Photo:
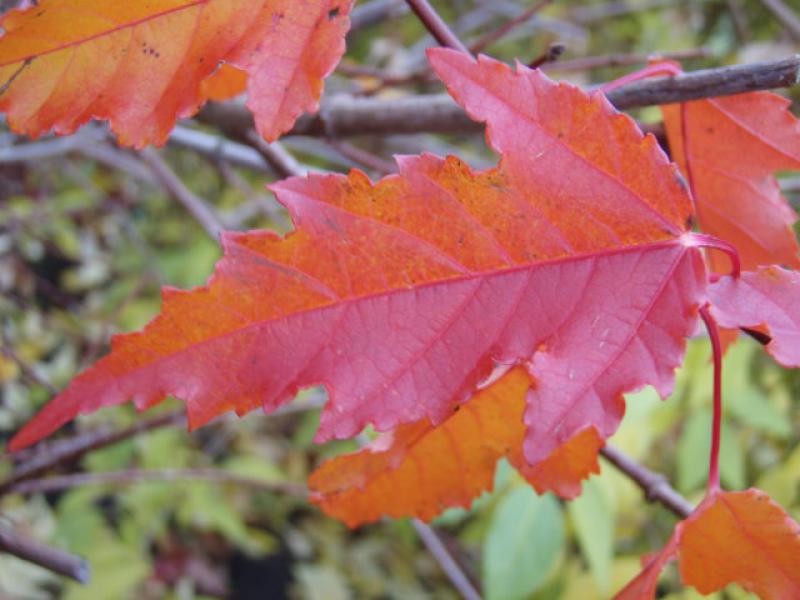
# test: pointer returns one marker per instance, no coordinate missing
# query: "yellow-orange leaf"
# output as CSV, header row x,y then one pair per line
x,y
744,538
419,470
140,65
732,537
227,82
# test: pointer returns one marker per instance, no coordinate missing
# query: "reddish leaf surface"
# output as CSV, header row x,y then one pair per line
x,y
732,537
768,298
729,149
400,296
140,64
419,470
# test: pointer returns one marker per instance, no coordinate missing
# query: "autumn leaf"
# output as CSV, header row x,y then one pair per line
x,y
729,148
732,537
140,65
419,470
767,298
225,83
400,297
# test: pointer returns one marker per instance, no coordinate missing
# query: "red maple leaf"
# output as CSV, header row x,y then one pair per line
x,y
729,148
401,296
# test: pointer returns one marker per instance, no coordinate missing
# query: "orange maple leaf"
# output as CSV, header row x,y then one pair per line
x,y
140,65
731,537
419,470
225,83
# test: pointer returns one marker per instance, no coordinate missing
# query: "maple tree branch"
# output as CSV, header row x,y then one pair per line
x,y
194,205
436,25
621,60
129,476
346,115
48,455
275,155
784,14
446,561
507,27
655,486
53,559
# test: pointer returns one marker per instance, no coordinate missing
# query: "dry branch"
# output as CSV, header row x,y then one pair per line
x,y
345,115
53,559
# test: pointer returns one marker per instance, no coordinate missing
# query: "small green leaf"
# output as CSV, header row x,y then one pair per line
x,y
593,518
524,543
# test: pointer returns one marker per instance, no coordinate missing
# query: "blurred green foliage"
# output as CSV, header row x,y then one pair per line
x,y
85,248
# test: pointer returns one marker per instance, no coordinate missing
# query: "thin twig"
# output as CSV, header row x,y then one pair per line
x,y
193,204
448,564
49,455
548,56
363,157
130,476
785,15
621,60
53,559
436,25
276,156
507,27
655,486
27,370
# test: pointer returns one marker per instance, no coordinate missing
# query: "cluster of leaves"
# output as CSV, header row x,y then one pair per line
x,y
569,265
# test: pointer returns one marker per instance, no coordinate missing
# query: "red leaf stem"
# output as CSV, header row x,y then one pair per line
x,y
716,347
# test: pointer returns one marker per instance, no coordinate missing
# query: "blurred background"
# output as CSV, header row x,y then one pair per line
x,y
89,234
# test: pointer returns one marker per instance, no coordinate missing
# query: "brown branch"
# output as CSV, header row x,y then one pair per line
x,y
446,561
621,60
507,27
366,159
53,559
276,156
130,476
345,115
785,15
193,204
49,455
655,486
709,83
548,56
436,25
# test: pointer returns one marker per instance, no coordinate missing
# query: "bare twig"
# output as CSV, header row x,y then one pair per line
x,y
448,564
345,115
53,559
129,476
548,56
656,488
497,34
49,455
709,83
363,157
620,60
785,15
276,156
27,370
436,25
194,205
